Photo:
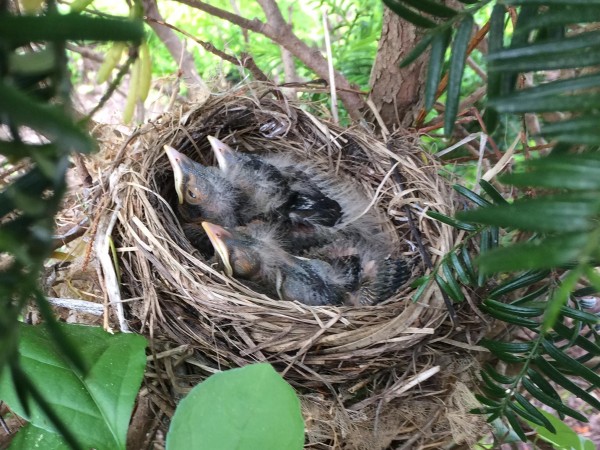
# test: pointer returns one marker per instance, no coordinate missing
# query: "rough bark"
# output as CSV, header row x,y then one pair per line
x,y
198,89
395,91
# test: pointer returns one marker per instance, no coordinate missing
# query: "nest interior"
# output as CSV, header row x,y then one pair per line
x,y
367,376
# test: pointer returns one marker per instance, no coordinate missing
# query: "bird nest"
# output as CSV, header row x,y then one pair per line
x,y
398,372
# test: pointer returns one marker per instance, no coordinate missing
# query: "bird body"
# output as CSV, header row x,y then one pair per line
x,y
254,254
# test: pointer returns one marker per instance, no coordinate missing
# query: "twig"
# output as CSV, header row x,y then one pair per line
x,y
112,87
281,33
75,232
334,108
79,305
246,61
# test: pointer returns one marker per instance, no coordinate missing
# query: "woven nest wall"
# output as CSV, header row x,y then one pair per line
x,y
396,373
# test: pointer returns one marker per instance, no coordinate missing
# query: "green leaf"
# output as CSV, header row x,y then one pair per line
x,y
551,89
458,267
546,253
490,190
452,222
562,213
510,318
68,27
579,103
439,44
581,13
48,120
30,437
508,308
521,281
494,81
564,437
533,412
251,407
97,406
492,387
470,195
409,15
520,55
570,333
487,401
457,66
464,253
579,172
570,363
559,299
580,316
507,347
417,50
514,423
498,377
546,399
553,374
457,294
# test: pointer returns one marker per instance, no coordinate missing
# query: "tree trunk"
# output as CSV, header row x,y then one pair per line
x,y
397,92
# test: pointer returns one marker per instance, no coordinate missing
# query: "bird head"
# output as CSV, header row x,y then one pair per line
x,y
188,175
239,252
226,156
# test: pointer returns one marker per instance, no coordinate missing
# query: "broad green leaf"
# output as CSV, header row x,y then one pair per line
x,y
564,437
48,120
458,58
562,213
71,27
439,44
247,408
545,253
408,14
31,437
97,406
578,172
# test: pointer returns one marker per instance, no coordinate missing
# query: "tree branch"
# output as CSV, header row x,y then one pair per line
x,y
280,32
178,52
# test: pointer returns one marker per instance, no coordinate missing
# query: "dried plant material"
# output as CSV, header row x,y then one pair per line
x,y
368,376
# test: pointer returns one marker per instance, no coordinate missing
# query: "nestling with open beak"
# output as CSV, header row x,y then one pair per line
x,y
277,187
254,253
202,193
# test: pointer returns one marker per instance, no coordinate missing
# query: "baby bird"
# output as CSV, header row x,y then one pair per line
x,y
202,193
253,253
375,275
277,190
